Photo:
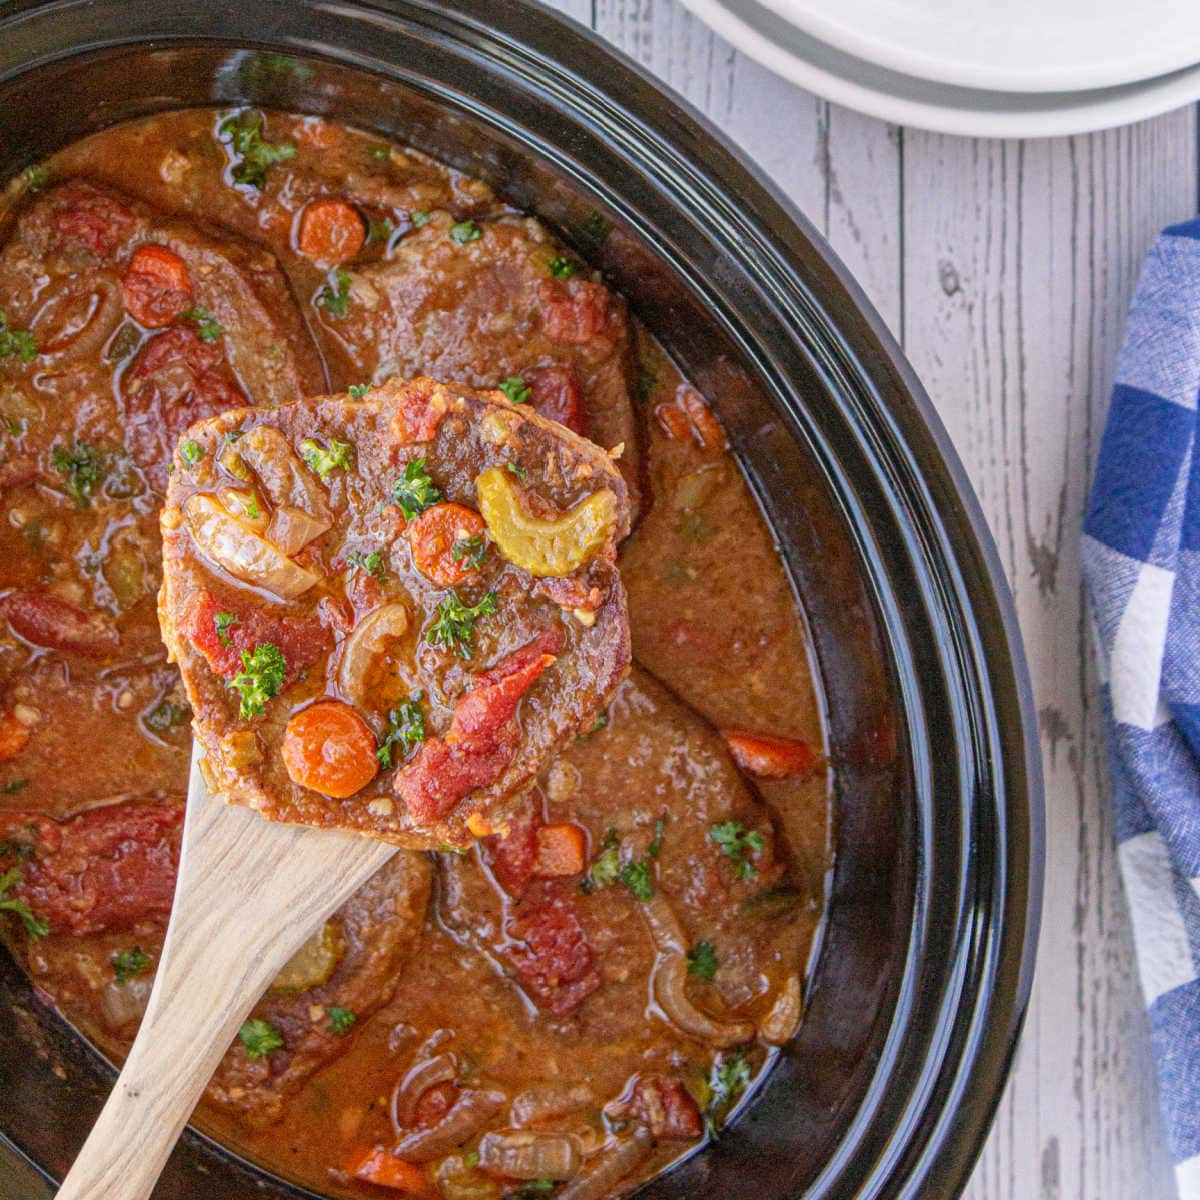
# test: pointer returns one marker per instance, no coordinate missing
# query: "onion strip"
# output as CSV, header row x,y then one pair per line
x,y
599,1182
426,1073
524,1154
472,1110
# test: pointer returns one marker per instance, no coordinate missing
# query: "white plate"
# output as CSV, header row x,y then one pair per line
x,y
1009,45
845,79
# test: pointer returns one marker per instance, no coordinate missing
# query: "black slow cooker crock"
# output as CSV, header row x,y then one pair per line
x,y
917,990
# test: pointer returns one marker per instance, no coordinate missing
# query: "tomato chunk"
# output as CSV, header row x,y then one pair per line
x,y
416,418
331,232
512,856
301,641
768,756
113,866
438,535
329,748
553,957
14,737
582,314
382,1168
561,850
482,739
555,393
664,1105
54,623
157,286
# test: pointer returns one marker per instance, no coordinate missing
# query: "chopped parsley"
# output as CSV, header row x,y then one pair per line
x,y
167,715
12,786
224,622
598,724
465,231
129,963
379,152
36,177
470,551
638,878
16,343
334,296
235,435
83,468
702,960
208,328
380,229
607,867
260,1038
419,217
263,672
243,134
371,562
414,492
323,459
356,391
729,1079
516,389
736,843
191,452
250,508
472,1159
454,628
562,268
513,469
340,1020
406,729
35,926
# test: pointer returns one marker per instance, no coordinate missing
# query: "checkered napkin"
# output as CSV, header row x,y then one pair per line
x,y
1141,562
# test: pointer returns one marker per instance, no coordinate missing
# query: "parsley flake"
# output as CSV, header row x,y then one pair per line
x,y
356,391
380,229
728,1080
12,786
562,268
263,672
242,134
607,867
191,452
35,926
16,343
260,1038
470,551
702,960
36,177
371,562
419,217
414,492
340,1020
167,715
465,231
379,152
736,843
129,963
406,729
637,877
516,389
519,472
83,467
334,296
224,622
208,328
324,459
454,627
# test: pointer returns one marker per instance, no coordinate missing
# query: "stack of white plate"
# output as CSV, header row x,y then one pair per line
x,y
989,68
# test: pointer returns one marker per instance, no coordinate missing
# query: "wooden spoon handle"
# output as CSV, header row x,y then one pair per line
x,y
249,893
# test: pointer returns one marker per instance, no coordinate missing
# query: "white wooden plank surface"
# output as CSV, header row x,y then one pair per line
x,y
1006,269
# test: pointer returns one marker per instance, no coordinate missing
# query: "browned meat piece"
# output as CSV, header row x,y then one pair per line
x,y
488,309
453,679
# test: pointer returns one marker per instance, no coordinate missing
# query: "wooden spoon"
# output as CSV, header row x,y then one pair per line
x,y
250,892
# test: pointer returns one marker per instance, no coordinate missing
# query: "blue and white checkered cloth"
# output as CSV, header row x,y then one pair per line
x,y
1141,561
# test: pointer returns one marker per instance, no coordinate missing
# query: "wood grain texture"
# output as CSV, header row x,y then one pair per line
x,y
1006,269
239,873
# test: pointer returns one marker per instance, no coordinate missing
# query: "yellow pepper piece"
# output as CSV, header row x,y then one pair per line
x,y
313,963
544,548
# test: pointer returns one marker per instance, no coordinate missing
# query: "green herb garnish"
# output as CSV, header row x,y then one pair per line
x,y
454,628
419,217
513,469
224,622
414,492
562,268
702,960
260,1038
191,452
36,177
324,459
356,391
243,134
470,551
83,468
167,715
372,562
340,1020
516,389
263,672
35,926
465,231
638,878
379,152
737,843
334,296
16,343
208,328
729,1079
12,786
607,867
406,729
129,963
380,229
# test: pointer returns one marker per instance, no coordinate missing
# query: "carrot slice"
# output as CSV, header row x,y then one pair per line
x,y
707,428
771,757
673,421
13,737
384,1169
157,286
560,851
331,232
329,748
440,534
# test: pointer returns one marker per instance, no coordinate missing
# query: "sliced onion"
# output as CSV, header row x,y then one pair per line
x,y
224,540
123,1003
472,1110
606,1172
550,1101
291,529
523,1154
781,1023
664,925
286,480
426,1073
76,317
670,990
369,639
